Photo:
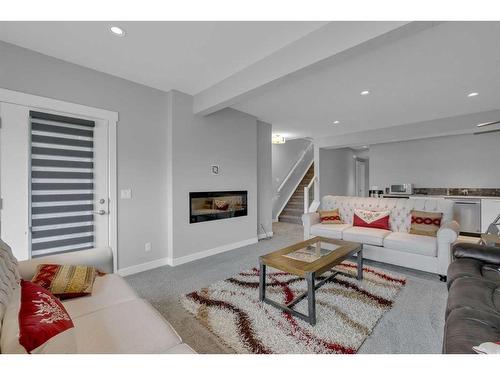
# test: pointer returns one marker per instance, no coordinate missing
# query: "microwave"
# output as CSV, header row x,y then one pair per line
x,y
402,189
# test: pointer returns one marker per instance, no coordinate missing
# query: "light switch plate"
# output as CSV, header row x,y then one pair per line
x,y
126,194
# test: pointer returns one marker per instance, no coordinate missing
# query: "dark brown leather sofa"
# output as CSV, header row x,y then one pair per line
x,y
473,309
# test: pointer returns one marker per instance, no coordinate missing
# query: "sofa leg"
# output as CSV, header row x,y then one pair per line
x,y
442,278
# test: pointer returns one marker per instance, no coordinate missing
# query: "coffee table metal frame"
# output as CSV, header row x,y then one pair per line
x,y
312,286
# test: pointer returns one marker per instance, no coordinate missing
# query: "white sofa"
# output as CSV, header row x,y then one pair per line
x,y
112,320
396,246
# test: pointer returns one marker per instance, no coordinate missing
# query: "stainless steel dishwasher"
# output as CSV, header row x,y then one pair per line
x,y
467,211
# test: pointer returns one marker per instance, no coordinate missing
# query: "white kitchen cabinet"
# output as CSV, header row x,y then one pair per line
x,y
490,209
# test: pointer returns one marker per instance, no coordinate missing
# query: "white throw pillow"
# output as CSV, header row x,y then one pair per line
x,y
488,348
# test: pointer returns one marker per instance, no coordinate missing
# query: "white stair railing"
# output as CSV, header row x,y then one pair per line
x,y
310,203
294,167
292,180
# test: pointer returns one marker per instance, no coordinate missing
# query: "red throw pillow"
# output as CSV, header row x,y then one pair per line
x,y
41,316
371,219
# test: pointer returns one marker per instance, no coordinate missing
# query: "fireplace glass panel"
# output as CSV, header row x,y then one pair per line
x,y
217,205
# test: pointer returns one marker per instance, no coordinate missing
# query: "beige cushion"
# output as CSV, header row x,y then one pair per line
x,y
10,326
108,290
9,277
329,230
101,258
412,243
181,349
128,327
369,236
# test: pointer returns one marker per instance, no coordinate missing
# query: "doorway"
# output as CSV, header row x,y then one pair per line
x,y
361,177
57,176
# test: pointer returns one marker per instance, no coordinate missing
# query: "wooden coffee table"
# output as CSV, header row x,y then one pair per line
x,y
318,262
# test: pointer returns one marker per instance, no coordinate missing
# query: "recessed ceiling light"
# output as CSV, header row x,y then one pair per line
x,y
365,92
118,31
472,94
336,122
365,146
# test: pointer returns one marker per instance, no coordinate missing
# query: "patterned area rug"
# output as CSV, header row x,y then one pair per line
x,y
347,311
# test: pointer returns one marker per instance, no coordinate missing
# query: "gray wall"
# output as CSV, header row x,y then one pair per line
x,y
284,157
141,139
227,138
336,172
264,178
452,161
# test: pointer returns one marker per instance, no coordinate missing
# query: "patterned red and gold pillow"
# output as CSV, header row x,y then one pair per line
x,y
425,223
330,217
43,320
371,219
65,281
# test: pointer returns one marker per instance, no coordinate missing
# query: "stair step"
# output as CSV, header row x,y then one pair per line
x,y
294,206
293,211
290,219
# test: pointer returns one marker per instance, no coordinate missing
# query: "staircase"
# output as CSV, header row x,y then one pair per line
x,y
292,213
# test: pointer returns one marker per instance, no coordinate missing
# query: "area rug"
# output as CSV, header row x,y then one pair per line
x,y
347,311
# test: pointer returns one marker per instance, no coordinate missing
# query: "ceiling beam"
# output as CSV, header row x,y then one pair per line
x,y
317,48
457,125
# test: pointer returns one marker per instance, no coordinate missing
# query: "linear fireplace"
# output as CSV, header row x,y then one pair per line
x,y
217,205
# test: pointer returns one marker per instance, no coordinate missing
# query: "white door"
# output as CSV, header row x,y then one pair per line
x,y
53,181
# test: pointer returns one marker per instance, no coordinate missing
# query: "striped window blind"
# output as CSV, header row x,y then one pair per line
x,y
62,184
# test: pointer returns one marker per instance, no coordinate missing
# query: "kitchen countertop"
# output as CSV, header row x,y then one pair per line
x,y
416,196
453,196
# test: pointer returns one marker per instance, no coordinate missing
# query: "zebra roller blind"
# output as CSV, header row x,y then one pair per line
x,y
62,184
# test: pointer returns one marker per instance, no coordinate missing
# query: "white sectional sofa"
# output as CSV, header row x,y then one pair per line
x,y
112,320
396,246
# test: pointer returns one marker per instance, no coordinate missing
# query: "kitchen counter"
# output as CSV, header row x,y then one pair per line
x,y
454,196
425,196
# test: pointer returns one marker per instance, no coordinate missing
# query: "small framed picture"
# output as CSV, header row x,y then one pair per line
x,y
215,169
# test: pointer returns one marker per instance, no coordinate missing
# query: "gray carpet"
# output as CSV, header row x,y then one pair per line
x,y
414,324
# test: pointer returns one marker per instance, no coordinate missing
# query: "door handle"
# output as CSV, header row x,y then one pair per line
x,y
100,212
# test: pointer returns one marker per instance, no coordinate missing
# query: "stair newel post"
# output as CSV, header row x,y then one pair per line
x,y
306,199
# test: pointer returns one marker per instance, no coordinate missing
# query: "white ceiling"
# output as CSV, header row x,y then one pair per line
x,y
422,77
186,56
413,78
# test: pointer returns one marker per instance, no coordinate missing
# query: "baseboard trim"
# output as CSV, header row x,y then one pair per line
x,y
216,250
263,235
186,259
143,267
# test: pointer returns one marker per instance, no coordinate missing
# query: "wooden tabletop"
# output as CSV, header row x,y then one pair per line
x,y
323,264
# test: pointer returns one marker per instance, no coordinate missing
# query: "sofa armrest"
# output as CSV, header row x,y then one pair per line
x,y
448,232
308,220
486,254
100,258
446,235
